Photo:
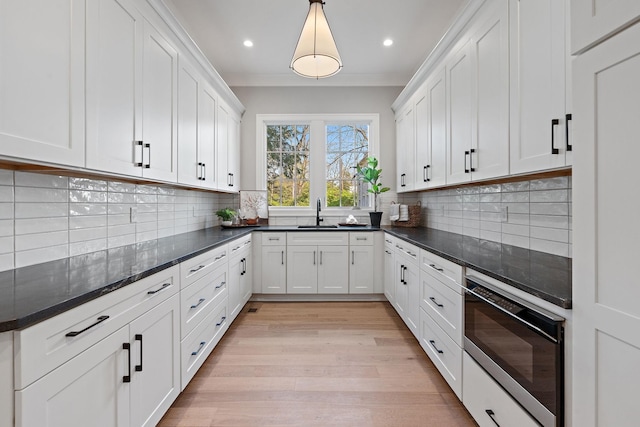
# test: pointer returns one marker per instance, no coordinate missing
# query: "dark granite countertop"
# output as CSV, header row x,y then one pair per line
x,y
540,274
31,294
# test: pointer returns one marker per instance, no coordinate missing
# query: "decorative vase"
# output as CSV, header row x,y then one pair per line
x,y
375,219
226,223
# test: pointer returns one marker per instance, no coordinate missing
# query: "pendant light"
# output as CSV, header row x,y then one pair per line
x,y
316,55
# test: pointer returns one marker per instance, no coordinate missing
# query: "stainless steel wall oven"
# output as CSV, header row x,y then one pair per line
x,y
520,345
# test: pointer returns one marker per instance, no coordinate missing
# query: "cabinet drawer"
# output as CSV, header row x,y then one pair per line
x,y
197,300
389,241
196,267
318,238
443,304
407,250
239,246
200,342
45,346
361,239
443,352
446,271
274,239
483,396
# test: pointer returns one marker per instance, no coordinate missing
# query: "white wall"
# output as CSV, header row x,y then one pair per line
x,y
312,100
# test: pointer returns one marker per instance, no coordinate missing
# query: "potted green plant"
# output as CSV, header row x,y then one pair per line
x,y
226,215
371,174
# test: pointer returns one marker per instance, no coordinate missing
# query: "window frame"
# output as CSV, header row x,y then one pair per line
x,y
317,153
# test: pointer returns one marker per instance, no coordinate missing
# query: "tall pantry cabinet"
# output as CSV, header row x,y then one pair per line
x,y
606,314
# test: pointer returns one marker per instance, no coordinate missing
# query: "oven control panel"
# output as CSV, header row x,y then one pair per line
x,y
509,306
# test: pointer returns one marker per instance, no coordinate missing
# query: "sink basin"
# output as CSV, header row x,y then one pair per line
x,y
317,226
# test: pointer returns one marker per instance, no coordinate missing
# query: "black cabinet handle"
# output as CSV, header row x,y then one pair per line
x,y
140,144
199,172
425,173
221,285
148,165
220,257
402,180
466,170
204,171
436,302
433,344
127,378
554,123
314,257
195,353
282,257
193,270
98,321
473,150
139,367
320,257
402,275
200,301
353,257
436,268
161,288
222,319
491,415
567,119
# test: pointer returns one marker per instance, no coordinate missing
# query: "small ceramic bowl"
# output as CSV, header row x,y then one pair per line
x,y
252,221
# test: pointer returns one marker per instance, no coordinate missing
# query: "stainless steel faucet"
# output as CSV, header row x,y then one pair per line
x,y
318,209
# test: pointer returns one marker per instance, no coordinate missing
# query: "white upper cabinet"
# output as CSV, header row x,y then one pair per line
x,y
197,105
42,80
228,149
405,149
540,83
436,172
595,20
131,94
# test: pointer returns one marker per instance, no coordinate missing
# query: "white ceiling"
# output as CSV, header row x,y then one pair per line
x,y
219,28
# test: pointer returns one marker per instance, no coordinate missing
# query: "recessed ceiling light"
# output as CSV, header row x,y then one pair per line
x,y
248,43
387,42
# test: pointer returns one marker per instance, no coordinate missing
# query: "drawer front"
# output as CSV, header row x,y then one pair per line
x,y
202,340
361,239
47,345
443,352
197,300
407,250
305,238
389,241
197,267
239,246
482,394
446,271
274,239
443,304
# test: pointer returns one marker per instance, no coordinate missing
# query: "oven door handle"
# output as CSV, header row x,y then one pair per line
x,y
530,325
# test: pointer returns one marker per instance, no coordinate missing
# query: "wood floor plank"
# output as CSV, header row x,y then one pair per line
x,y
318,364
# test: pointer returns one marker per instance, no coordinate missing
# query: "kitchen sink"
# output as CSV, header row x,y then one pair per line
x,y
317,226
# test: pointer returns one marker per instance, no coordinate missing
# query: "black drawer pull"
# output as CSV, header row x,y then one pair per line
x,y
554,123
193,270
433,344
491,415
161,288
127,378
221,285
200,301
139,367
98,321
222,319
436,302
195,353
568,118
220,257
436,268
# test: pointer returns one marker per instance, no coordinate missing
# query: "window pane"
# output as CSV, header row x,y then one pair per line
x,y
347,147
273,138
288,165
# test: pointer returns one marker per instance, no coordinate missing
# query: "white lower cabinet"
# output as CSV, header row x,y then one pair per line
x,y
487,402
407,286
361,263
389,269
239,283
274,269
333,269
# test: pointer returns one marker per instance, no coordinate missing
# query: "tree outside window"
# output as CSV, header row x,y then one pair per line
x,y
288,165
347,146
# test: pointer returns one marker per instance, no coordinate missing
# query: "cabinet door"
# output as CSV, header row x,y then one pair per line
x,y
361,270
155,362
115,31
233,151
208,103
42,76
302,270
90,387
246,282
236,266
423,146
437,94
333,270
189,166
222,149
405,150
401,290
389,275
159,106
538,70
606,318
412,285
595,20
490,115
460,101
274,270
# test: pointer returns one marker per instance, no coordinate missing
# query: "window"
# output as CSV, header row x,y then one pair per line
x,y
302,157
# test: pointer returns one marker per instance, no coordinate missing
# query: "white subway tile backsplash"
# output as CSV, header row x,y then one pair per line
x,y
84,247
513,240
553,234
85,234
520,197
548,246
121,230
550,221
120,187
6,194
123,240
494,236
6,261
550,209
6,210
515,186
84,196
6,227
544,196
515,229
549,183
25,242
6,244
41,225
41,210
40,195
29,179
6,177
87,184
76,222
87,209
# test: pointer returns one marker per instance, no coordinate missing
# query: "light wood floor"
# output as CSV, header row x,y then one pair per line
x,y
318,364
